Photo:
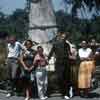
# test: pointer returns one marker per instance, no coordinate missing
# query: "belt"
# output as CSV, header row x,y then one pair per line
x,y
13,58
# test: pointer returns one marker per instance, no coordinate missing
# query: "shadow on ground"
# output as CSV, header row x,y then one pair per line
x,y
94,95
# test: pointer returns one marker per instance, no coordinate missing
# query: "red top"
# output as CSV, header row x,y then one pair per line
x,y
40,60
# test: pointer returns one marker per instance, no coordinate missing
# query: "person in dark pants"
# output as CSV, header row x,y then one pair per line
x,y
62,67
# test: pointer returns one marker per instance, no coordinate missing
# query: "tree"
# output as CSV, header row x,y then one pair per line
x,y
76,4
79,28
16,23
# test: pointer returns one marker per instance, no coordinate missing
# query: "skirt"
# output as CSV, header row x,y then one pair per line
x,y
85,74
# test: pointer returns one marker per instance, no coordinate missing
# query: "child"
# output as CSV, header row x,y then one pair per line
x,y
41,74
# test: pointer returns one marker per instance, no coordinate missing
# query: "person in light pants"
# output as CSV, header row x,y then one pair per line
x,y
41,74
41,78
14,48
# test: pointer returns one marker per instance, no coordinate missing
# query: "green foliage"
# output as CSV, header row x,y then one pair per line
x,y
16,24
77,4
79,28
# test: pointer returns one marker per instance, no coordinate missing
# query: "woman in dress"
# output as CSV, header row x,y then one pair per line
x,y
86,69
26,60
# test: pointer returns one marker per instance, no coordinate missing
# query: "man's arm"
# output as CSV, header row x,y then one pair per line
x,y
68,48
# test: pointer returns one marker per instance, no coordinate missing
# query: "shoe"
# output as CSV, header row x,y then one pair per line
x,y
66,97
8,95
44,98
27,98
81,94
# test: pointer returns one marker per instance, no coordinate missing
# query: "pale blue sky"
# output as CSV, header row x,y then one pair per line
x,y
8,6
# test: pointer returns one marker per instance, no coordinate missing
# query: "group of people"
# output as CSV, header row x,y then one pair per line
x,y
31,62
33,67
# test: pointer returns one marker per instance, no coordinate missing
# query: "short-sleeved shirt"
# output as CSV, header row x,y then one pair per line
x,y
28,57
84,53
40,60
14,50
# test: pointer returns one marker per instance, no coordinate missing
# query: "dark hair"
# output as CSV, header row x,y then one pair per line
x,y
39,47
28,41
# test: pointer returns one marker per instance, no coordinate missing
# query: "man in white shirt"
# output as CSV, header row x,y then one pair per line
x,y
14,50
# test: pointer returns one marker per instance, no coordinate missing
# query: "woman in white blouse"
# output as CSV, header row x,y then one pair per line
x,y
86,69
